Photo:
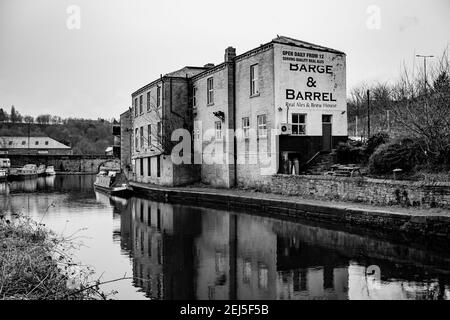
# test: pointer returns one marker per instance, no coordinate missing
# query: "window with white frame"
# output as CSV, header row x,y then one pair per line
x,y
254,89
158,96
140,104
246,127
210,90
218,127
148,101
262,125
194,97
298,124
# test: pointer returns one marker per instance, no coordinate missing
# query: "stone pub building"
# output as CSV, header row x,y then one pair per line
x,y
252,114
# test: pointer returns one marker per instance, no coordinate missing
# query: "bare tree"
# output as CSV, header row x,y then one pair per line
x,y
425,112
162,124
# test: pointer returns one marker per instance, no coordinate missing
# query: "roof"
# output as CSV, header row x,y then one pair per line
x,y
303,44
21,142
188,71
280,40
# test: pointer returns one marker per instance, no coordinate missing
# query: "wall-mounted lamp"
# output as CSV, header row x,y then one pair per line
x,y
220,115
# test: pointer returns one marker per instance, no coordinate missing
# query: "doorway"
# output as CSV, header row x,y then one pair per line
x,y
326,132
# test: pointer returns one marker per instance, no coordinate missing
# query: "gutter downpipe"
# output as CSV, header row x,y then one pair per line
x,y
234,123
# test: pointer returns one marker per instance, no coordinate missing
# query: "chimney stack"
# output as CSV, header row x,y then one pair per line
x,y
230,54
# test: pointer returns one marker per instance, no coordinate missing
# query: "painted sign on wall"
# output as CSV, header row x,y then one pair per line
x,y
312,83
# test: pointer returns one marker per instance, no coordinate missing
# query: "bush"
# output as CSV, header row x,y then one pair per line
x,y
403,154
374,142
349,152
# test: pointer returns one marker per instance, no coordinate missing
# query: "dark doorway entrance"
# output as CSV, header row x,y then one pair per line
x,y
326,132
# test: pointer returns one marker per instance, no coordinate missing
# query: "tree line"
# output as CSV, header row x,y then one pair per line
x,y
85,136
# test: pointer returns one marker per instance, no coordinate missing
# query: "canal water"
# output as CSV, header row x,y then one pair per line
x,y
185,252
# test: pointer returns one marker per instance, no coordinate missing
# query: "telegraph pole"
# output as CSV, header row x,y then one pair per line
x,y
424,68
368,114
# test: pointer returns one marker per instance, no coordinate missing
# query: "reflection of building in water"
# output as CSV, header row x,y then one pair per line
x,y
307,271
213,256
256,258
162,241
196,253
4,188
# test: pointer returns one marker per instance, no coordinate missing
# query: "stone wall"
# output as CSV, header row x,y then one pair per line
x,y
364,190
72,163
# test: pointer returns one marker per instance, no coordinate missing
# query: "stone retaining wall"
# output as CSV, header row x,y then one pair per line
x,y
364,190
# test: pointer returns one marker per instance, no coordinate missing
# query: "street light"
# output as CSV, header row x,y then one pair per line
x,y
424,67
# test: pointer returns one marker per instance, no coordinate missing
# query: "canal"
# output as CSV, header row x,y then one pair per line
x,y
185,252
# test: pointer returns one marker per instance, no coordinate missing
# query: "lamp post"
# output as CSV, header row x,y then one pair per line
x,y
424,68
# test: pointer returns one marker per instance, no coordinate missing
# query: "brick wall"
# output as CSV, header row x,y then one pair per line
x,y
365,190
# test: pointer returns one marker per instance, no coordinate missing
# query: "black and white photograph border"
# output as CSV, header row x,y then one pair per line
x,y
240,152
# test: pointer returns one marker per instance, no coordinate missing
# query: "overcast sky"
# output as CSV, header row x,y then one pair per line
x,y
121,45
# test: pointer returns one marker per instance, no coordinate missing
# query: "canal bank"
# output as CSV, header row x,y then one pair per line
x,y
434,223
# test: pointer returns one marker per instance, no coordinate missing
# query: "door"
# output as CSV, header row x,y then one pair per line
x,y
326,132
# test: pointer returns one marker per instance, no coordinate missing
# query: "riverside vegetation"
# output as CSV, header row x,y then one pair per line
x,y
35,265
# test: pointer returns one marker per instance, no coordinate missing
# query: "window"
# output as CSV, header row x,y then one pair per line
x,y
298,124
158,166
210,90
136,139
46,143
218,126
194,97
263,276
148,101
159,129
24,143
149,223
149,173
158,96
140,105
149,135
196,134
135,107
36,143
142,137
262,125
254,90
246,126
10,143
326,118
142,167
247,271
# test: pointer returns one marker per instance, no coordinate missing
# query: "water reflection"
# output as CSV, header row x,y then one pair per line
x,y
183,252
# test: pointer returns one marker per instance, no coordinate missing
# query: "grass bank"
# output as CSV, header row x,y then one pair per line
x,y
34,265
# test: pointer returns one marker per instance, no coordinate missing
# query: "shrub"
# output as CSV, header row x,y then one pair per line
x,y
403,154
349,152
374,142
